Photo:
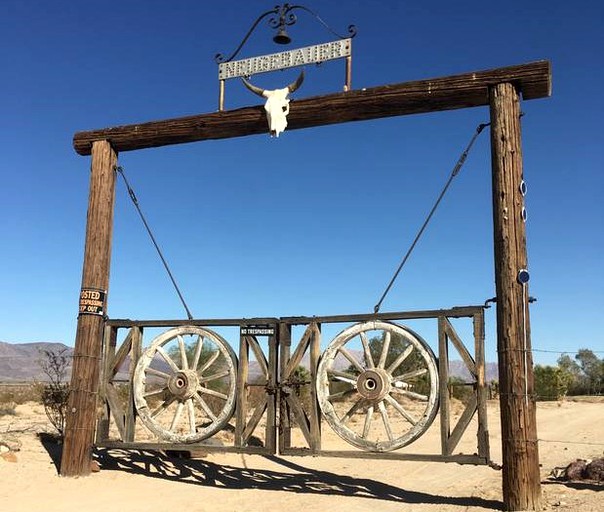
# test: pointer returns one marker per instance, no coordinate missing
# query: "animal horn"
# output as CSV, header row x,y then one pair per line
x,y
294,85
253,88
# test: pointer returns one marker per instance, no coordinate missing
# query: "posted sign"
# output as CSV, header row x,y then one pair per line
x,y
92,301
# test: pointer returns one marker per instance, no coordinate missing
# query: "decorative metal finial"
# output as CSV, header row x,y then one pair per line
x,y
280,18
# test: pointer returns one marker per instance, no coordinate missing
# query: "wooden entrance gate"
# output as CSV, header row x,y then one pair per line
x,y
277,410
500,89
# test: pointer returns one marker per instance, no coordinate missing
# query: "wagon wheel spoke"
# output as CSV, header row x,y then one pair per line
x,y
197,355
342,376
211,392
367,351
356,406
184,363
384,414
179,408
165,404
398,361
368,419
168,359
215,376
341,394
352,359
385,349
411,375
205,406
411,394
157,373
401,410
191,414
157,391
209,362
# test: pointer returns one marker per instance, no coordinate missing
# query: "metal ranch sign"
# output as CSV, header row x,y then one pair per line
x,y
288,59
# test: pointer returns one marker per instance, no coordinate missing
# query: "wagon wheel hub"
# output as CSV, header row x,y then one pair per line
x,y
183,384
374,384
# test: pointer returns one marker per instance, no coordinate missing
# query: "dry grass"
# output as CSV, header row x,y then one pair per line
x,y
19,393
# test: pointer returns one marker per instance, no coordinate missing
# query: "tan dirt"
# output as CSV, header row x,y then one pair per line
x,y
148,482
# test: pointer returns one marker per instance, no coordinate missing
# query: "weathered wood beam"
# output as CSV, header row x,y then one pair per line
x,y
521,475
532,80
81,413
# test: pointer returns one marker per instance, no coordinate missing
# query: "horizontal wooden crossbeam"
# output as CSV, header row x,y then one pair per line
x,y
447,93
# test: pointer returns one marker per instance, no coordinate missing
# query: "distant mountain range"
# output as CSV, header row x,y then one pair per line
x,y
20,362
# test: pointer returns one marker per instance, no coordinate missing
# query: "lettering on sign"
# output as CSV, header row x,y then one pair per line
x,y
257,330
92,301
292,58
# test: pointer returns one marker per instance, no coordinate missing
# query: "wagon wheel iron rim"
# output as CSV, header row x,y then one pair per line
x,y
184,384
378,400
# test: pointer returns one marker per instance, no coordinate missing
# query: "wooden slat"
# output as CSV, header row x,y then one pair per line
x,y
422,96
135,353
271,409
419,457
481,387
461,348
180,447
315,412
241,391
462,425
109,343
121,355
285,341
443,379
296,357
117,413
260,358
253,421
300,417
456,312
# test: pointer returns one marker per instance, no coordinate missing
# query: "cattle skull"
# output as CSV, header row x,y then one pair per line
x,y
277,103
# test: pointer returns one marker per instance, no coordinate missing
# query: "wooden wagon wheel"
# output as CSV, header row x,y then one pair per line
x,y
378,369
184,384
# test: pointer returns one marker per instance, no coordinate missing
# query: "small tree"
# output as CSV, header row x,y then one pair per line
x,y
551,383
592,369
55,392
571,368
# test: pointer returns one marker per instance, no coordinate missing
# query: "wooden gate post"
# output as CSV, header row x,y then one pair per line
x,y
521,481
81,412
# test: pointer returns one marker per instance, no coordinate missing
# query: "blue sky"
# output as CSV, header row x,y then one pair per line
x,y
315,222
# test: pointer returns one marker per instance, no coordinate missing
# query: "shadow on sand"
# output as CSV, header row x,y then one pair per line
x,y
295,478
54,446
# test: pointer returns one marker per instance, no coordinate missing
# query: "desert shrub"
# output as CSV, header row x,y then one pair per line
x,y
7,409
19,393
55,392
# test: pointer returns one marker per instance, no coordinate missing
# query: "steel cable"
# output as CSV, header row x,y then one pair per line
x,y
454,173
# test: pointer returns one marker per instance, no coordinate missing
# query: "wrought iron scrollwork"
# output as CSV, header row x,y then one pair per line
x,y
280,17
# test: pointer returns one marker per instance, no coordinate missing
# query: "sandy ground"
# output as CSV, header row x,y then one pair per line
x,y
146,482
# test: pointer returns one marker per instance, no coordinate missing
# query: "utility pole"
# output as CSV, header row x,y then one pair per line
x,y
521,479
81,411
